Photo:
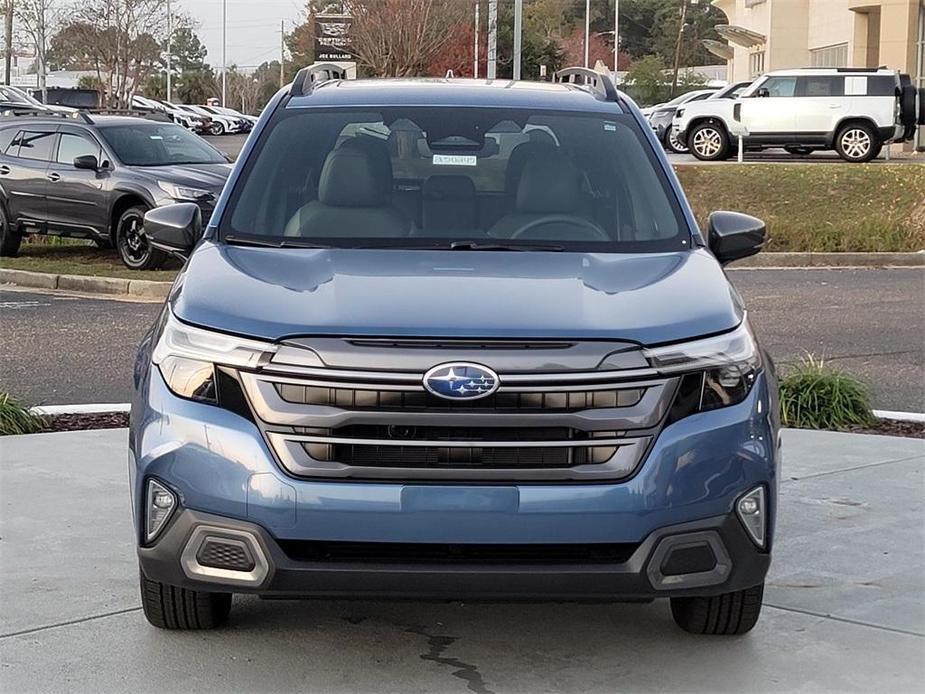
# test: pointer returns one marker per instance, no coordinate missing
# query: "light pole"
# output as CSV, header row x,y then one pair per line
x,y
518,35
616,37
492,39
475,50
224,47
169,37
587,31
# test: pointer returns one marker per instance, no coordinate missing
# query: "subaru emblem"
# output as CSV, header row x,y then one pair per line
x,y
461,381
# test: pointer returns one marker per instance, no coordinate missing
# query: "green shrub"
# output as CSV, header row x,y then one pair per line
x,y
16,419
814,395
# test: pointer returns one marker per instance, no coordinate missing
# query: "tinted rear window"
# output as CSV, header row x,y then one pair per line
x,y
404,176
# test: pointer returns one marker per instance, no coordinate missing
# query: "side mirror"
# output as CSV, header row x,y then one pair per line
x,y
174,228
732,235
762,92
87,161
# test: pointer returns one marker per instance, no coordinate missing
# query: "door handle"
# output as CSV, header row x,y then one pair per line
x,y
53,177
4,169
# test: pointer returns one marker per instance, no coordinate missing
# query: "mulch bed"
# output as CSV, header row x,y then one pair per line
x,y
79,422
115,420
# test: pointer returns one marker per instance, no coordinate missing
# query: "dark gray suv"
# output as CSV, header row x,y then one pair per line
x,y
94,177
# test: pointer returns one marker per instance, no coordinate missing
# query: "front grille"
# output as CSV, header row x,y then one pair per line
x,y
418,399
440,553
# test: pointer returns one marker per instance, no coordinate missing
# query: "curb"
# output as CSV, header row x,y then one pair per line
x,y
86,284
99,408
803,260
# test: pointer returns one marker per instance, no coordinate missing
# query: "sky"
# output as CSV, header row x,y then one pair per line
x,y
253,27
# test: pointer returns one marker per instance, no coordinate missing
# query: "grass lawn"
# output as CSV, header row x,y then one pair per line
x,y
808,207
818,207
79,258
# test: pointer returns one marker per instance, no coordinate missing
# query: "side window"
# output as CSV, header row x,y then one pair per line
x,y
780,86
821,86
72,146
6,142
36,145
881,85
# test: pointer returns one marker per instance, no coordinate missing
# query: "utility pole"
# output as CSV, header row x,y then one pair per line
x,y
616,37
282,53
475,51
8,41
587,31
492,38
518,35
677,50
169,39
224,47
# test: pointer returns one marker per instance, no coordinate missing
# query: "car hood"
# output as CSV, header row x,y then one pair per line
x,y
207,176
276,293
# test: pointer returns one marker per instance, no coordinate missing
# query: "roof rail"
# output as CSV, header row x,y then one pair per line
x,y
309,77
37,113
599,82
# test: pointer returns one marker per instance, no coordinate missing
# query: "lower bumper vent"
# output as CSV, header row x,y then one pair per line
x,y
225,554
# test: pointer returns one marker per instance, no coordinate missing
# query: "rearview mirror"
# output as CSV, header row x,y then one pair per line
x,y
732,235
174,228
87,161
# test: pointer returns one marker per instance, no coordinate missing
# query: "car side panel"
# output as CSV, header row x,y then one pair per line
x,y
78,199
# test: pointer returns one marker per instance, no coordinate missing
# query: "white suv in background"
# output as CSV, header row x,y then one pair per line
x,y
854,111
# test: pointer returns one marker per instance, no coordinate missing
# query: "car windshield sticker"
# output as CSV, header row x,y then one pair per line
x,y
610,127
455,160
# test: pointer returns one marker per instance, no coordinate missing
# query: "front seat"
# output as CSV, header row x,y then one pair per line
x,y
550,186
353,200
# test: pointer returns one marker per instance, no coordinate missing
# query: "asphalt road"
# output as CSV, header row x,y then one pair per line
x,y
60,350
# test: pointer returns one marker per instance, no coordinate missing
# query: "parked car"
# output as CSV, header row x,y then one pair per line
x,y
13,99
660,117
202,124
221,124
381,373
96,177
249,121
192,122
854,111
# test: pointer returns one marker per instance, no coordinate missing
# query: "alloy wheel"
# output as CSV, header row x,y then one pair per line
x,y
708,142
133,244
674,143
855,143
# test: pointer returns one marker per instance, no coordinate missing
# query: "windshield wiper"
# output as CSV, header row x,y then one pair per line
x,y
476,246
272,242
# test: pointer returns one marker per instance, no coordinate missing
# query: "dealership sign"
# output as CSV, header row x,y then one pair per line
x,y
332,37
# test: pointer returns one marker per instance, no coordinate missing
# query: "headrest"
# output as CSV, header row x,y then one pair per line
x,y
378,152
549,183
350,178
520,155
449,188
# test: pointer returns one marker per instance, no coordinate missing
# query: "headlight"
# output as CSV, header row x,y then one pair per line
x,y
184,192
187,357
660,116
679,113
717,371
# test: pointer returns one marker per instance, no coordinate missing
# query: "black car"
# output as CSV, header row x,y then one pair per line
x,y
94,177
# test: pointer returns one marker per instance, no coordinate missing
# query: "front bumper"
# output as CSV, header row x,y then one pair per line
x,y
225,476
650,570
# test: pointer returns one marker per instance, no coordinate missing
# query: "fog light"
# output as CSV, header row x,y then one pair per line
x,y
751,510
160,506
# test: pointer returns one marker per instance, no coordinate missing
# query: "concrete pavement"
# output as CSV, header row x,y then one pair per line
x,y
844,609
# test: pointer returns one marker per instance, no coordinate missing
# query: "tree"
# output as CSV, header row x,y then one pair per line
x,y
118,39
38,19
540,45
401,38
194,81
646,79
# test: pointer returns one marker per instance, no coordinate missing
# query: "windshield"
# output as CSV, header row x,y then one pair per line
x,y
435,177
158,144
17,97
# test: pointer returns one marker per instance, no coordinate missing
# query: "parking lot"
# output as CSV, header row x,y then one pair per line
x,y
844,609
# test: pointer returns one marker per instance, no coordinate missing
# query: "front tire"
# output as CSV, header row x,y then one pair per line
x,y
857,142
728,614
217,128
134,247
673,144
171,607
709,142
9,237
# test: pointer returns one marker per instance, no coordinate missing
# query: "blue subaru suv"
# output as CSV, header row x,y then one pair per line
x,y
446,338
